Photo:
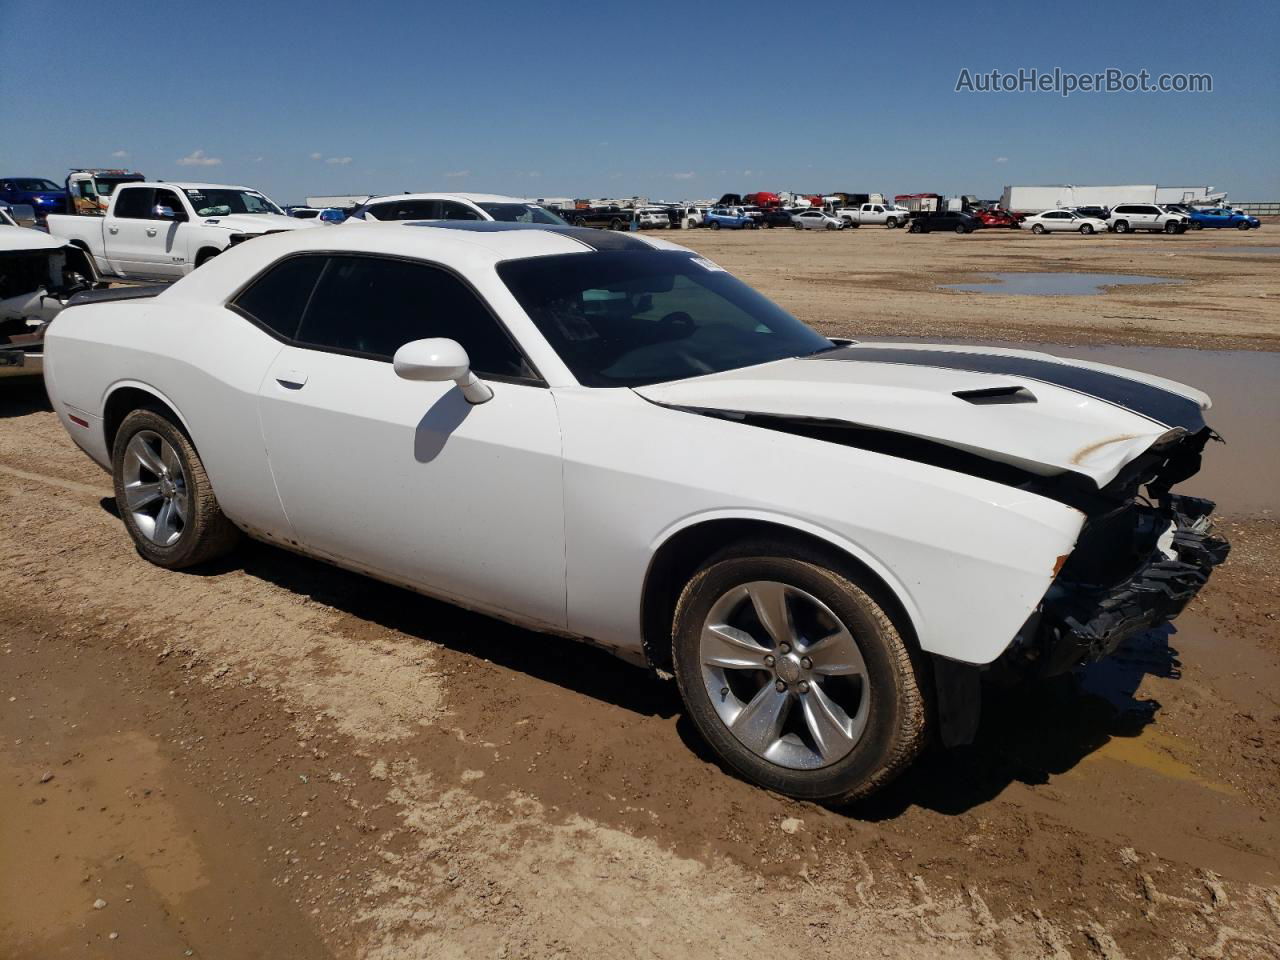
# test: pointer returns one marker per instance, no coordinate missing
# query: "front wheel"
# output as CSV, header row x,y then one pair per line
x,y
1243,225
1086,229
164,495
914,228
891,222
1170,227
1121,226
1037,229
1197,225
960,228
715,224
796,676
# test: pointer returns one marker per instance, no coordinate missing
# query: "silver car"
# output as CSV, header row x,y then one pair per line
x,y
816,220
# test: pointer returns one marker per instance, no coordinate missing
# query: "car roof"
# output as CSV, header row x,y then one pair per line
x,y
470,197
185,185
461,244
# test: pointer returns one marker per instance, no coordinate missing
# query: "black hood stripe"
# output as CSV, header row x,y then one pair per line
x,y
1155,403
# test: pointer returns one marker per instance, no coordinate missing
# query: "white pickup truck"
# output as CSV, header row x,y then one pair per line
x,y
163,231
887,213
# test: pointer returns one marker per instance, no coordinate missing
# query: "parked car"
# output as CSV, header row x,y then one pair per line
x,y
817,220
1097,213
1064,220
17,214
651,218
44,196
995,217
777,216
38,274
1146,216
953,220
732,218
889,214
607,217
1222,217
688,216
827,543
162,231
453,206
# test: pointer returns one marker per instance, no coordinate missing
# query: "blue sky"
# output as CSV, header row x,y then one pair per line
x,y
666,99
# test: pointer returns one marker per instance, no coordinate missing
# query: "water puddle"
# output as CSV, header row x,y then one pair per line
x,y
1053,284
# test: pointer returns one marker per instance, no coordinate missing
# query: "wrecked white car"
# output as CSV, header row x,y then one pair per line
x,y
608,437
38,275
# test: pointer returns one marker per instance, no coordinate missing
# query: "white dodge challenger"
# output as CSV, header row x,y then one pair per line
x,y
609,437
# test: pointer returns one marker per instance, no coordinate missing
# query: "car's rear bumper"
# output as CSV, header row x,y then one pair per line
x,y
1089,611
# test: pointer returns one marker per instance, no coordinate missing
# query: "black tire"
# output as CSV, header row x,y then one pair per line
x,y
1086,229
896,728
715,224
207,533
891,223
960,228
1243,225
615,224
204,256
833,226
1171,227
1122,226
797,226
1037,228
915,228
1197,225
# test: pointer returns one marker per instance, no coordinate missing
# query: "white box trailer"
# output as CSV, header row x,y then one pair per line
x,y
1039,199
344,202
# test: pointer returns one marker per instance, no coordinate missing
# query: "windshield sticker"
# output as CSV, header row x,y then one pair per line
x,y
707,264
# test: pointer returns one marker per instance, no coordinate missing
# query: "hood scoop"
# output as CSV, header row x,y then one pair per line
x,y
990,396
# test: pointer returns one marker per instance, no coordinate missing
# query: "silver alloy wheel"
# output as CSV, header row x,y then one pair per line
x,y
785,676
155,488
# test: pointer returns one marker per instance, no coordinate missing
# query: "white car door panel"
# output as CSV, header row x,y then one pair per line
x,y
409,479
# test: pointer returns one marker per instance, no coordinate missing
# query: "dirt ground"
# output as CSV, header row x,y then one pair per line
x,y
275,758
876,282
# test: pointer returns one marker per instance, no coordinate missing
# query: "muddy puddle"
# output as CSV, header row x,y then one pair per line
x,y
1240,474
1054,284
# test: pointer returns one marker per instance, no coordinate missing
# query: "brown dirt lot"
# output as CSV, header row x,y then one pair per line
x,y
275,758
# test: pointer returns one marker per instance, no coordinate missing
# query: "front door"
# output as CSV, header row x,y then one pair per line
x,y
407,479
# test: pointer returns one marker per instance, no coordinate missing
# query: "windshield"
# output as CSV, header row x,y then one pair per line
x,y
520,213
628,319
35,184
220,202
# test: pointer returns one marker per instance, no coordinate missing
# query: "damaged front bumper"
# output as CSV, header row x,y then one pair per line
x,y
1133,568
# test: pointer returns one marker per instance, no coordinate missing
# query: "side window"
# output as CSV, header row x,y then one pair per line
x,y
450,210
373,306
277,299
134,203
167,198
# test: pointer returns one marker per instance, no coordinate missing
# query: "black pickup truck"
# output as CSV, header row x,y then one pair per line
x,y
609,218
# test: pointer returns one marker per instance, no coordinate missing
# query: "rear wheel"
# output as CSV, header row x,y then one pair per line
x,y
796,676
164,495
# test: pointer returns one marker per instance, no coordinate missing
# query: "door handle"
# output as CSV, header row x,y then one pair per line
x,y
291,379
151,231
113,229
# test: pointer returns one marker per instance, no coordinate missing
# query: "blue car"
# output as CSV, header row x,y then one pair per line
x,y
731,218
45,196
1222,217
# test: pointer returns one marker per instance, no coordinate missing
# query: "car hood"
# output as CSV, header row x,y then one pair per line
x,y
1037,412
256,222
25,240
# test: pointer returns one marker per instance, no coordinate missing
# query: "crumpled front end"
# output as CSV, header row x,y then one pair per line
x,y
1138,562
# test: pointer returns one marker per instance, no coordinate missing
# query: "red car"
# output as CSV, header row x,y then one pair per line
x,y
996,218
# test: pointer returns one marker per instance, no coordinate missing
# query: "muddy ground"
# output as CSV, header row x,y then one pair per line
x,y
274,758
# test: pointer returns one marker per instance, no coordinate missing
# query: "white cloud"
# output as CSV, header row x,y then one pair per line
x,y
258,159
747,173
340,161
198,158
316,156
684,176
457,174
1002,159
120,154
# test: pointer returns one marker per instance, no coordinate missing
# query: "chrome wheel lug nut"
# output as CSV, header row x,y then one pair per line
x,y
769,661
806,663
804,686
780,687
785,648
